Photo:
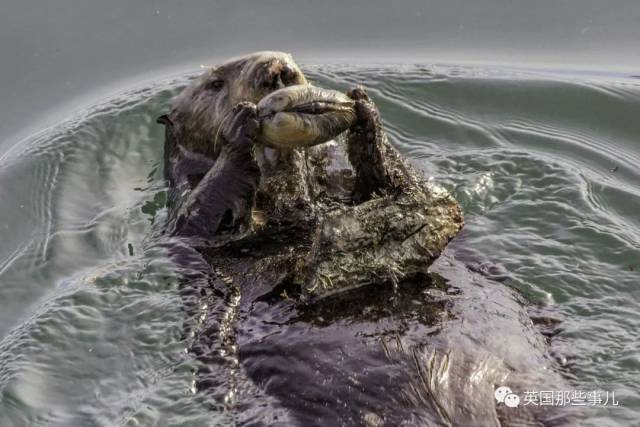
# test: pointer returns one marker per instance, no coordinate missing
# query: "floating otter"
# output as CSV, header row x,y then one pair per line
x,y
322,254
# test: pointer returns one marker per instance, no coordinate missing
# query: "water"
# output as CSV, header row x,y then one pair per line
x,y
543,163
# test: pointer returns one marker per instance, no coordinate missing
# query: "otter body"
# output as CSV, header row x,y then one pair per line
x,y
324,251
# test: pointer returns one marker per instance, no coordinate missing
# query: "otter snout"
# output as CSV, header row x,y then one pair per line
x,y
279,74
272,71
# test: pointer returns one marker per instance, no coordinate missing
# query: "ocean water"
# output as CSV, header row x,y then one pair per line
x,y
544,164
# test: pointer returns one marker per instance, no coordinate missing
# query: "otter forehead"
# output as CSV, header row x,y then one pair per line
x,y
251,59
261,56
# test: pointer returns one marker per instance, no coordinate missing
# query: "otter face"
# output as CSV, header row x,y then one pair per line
x,y
199,111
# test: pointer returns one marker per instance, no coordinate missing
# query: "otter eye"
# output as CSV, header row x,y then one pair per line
x,y
215,84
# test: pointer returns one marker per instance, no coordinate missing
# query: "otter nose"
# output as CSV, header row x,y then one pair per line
x,y
288,76
279,76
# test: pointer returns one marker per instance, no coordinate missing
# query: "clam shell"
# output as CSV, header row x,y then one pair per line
x,y
303,115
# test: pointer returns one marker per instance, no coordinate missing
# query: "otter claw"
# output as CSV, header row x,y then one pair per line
x,y
358,93
365,109
243,125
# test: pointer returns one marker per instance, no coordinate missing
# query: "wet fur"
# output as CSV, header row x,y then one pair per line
x,y
368,357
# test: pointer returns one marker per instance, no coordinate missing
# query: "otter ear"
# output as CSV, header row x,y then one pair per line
x,y
164,120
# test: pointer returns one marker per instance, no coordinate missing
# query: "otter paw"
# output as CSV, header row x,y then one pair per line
x,y
242,126
367,116
358,93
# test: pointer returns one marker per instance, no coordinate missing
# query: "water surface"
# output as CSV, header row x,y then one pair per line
x,y
545,165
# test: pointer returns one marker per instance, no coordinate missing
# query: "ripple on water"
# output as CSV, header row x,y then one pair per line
x,y
93,334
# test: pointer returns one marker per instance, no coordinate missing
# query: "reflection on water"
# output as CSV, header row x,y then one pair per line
x,y
545,166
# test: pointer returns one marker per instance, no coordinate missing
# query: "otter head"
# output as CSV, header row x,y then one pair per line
x,y
198,113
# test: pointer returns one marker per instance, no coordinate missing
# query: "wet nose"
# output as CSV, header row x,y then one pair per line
x,y
280,75
288,76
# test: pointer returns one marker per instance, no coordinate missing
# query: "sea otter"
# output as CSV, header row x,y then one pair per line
x,y
307,270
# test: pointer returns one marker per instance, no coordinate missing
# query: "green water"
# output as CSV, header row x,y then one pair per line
x,y
544,164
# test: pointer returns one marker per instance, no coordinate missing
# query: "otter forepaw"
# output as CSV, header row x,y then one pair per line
x,y
242,126
366,148
367,117
358,93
